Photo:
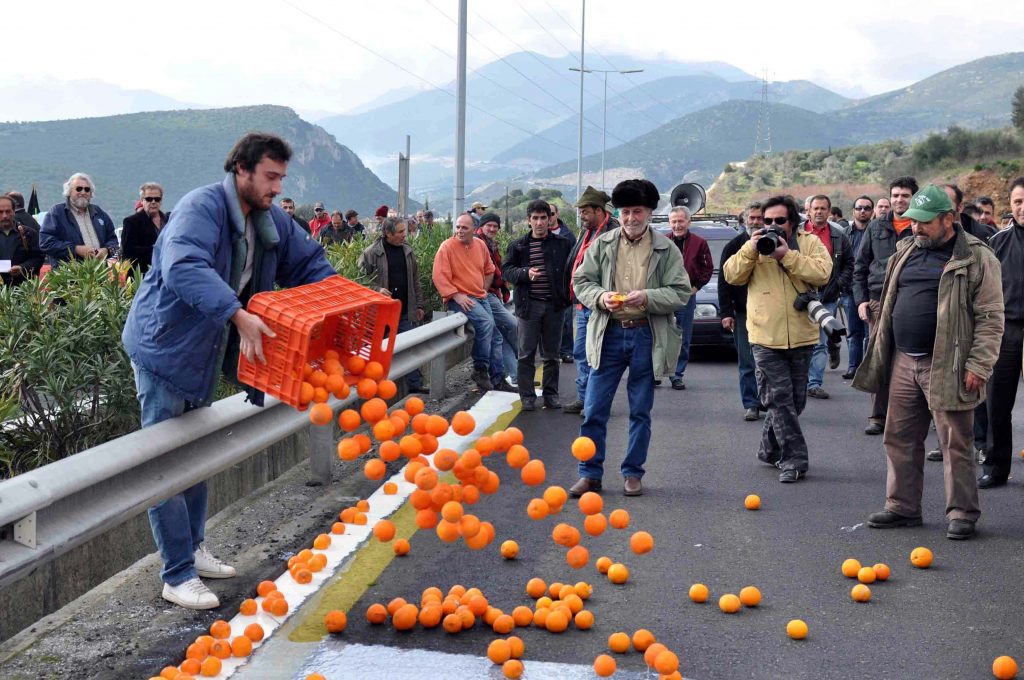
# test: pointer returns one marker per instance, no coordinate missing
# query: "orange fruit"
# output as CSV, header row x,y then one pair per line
x,y
321,414
584,619
699,592
452,623
303,576
503,625
452,511
516,643
583,590
850,568
210,667
315,676
513,668
796,629
565,535
556,622
602,564
198,650
426,479
463,423
517,457
537,509
860,593
383,430
220,629
426,519
169,672
248,607
583,448
750,596
317,378
375,469
348,449
921,557
509,550
430,615
752,502
363,441
515,435
666,663
279,606
349,420
254,632
445,459
729,603
319,561
523,616
384,530
618,573
374,410
386,389
402,547
436,425
536,587
591,503
221,648
652,652
881,571
555,496
642,639
866,575
321,542
619,519
1004,668
321,395
395,604
577,557
641,542
411,446
376,613
499,651
189,668
355,364
405,617
414,406
447,531
373,370
241,646
604,666
618,643
305,392
595,524
533,473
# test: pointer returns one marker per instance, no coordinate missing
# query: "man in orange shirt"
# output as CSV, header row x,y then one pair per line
x,y
462,273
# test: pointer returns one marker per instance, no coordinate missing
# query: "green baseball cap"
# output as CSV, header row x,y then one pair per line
x,y
928,203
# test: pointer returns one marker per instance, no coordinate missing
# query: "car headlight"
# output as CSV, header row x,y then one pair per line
x,y
705,312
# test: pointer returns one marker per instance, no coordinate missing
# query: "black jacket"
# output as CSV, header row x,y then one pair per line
x,y
1008,245
24,219
516,268
328,235
730,297
302,223
567,282
138,235
977,229
842,266
876,246
21,247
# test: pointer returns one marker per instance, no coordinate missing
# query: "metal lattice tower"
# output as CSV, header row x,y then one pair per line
x,y
763,141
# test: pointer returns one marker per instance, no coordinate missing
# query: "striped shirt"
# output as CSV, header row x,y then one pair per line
x,y
540,287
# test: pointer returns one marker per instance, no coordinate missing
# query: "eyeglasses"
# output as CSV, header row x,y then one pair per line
x,y
862,207
153,199
776,220
83,190
318,209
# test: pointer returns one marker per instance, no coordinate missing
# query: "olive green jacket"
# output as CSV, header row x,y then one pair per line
x,y
968,331
668,289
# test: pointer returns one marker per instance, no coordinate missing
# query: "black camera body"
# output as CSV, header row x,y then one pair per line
x,y
819,314
771,239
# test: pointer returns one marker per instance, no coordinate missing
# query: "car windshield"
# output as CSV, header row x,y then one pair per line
x,y
717,245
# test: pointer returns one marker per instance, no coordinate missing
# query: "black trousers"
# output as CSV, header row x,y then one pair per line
x,y
1002,393
543,328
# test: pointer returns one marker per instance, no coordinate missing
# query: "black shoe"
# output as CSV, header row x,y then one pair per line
x,y
552,403
573,407
989,481
567,359
849,375
791,475
678,384
528,404
833,357
419,390
505,386
959,529
874,428
657,382
891,520
482,379
934,454
750,414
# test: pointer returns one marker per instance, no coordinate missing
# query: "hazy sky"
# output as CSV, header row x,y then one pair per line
x,y
294,52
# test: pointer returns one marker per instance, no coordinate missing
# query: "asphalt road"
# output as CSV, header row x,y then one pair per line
x,y
949,621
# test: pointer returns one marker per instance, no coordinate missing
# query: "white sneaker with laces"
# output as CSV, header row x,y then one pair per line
x,y
209,566
192,594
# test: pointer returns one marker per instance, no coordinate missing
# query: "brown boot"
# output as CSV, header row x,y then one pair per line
x,y
632,487
583,486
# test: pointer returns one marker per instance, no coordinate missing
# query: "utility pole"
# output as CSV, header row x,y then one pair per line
x,y
763,141
579,154
403,179
459,198
604,125
508,227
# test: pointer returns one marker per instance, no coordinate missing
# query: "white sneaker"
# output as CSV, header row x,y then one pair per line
x,y
209,566
192,594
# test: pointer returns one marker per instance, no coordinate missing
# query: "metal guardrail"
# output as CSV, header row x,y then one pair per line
x,y
51,510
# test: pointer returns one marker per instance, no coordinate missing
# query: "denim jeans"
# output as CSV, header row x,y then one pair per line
x,y
856,334
508,328
748,382
179,522
820,356
486,352
579,352
415,378
623,348
684,319
567,345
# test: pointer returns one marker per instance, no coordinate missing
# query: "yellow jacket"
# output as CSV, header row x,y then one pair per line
x,y
772,321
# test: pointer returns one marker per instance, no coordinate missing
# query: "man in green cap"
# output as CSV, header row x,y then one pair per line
x,y
939,330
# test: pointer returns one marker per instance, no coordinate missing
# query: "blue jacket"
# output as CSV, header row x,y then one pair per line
x,y
60,233
177,326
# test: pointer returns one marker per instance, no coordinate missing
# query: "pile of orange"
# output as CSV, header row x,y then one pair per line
x,y
556,606
206,654
657,656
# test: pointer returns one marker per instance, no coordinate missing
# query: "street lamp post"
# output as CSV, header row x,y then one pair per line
x,y
604,125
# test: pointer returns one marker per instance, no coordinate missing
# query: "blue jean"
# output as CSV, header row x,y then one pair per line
x,y
508,328
623,348
856,334
178,523
820,356
684,319
748,381
486,352
579,352
415,378
567,346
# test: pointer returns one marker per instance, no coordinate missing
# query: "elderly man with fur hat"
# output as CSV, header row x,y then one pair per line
x,y
633,280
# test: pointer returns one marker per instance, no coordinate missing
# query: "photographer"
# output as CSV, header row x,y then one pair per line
x,y
781,335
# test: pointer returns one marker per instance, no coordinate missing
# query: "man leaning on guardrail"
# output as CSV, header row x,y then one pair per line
x,y
223,243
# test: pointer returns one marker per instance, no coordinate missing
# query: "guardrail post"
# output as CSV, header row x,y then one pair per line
x,y
321,447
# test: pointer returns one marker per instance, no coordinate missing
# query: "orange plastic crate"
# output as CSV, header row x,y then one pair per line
x,y
333,314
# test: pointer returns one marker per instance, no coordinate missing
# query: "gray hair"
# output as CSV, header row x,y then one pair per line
x,y
71,180
753,205
152,186
683,209
390,225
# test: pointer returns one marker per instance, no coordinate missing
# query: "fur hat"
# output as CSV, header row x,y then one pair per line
x,y
634,192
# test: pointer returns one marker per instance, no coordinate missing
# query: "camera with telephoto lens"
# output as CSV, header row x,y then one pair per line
x,y
819,314
771,238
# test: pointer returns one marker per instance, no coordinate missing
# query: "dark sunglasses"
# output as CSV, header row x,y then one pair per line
x,y
83,190
318,210
153,199
776,220
862,207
